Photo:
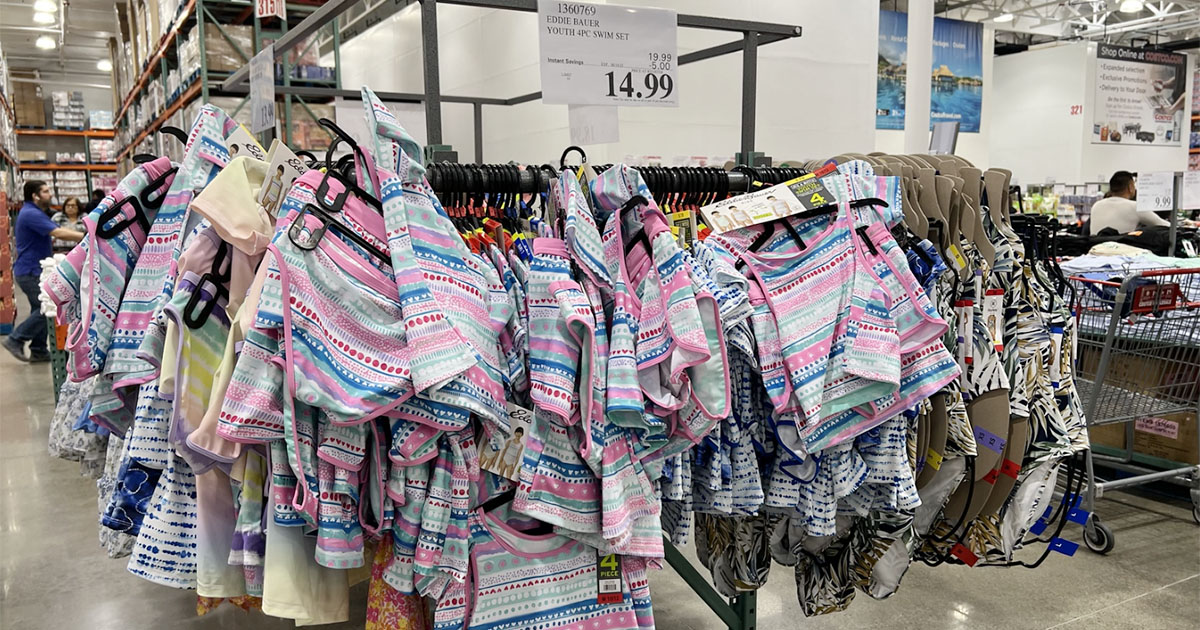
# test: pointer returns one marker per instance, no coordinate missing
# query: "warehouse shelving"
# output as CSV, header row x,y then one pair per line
x,y
201,15
91,168
82,133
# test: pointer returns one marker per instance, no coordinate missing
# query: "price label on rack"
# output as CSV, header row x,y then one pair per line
x,y
604,54
262,90
1156,191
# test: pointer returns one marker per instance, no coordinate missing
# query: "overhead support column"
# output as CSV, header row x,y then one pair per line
x,y
920,69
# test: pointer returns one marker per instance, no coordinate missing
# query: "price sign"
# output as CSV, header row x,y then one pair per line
x,y
604,54
269,8
1191,190
262,90
1156,191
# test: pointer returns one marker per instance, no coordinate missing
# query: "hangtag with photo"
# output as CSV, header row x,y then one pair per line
x,y
993,316
283,168
502,454
240,143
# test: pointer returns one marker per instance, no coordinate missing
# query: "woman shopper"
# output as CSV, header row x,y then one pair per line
x,y
70,217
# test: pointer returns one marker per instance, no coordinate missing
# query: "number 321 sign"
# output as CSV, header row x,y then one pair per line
x,y
604,54
268,8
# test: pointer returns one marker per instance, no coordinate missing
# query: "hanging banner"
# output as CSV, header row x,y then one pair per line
x,y
957,94
1139,96
892,68
956,74
604,54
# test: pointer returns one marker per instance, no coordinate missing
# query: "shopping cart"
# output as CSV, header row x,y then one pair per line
x,y
1138,361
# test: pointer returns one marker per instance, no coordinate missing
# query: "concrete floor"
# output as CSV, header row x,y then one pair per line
x,y
53,575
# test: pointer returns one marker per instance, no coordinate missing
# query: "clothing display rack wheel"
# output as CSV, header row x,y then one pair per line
x,y
754,34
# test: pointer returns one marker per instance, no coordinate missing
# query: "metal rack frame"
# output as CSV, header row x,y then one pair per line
x,y
740,613
754,34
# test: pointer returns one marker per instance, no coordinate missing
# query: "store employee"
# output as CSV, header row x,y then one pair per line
x,y
33,231
1119,210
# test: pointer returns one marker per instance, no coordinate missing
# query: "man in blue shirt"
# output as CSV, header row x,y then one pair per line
x,y
33,232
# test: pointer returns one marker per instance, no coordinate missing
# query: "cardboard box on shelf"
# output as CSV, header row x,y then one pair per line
x,y
1171,437
220,55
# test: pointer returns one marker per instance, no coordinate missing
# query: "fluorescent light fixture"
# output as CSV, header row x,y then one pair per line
x,y
45,42
46,6
1004,17
104,65
43,18
1131,6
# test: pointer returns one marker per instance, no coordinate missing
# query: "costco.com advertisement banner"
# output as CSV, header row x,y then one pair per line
x,y
1139,97
956,74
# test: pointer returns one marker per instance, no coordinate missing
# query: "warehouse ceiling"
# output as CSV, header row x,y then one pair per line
x,y
1126,22
80,31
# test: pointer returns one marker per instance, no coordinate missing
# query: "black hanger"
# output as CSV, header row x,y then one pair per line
x,y
640,235
562,161
144,200
312,159
218,275
174,132
507,496
296,230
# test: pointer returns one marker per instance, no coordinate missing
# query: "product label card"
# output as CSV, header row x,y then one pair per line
x,y
782,200
502,454
608,580
240,142
283,169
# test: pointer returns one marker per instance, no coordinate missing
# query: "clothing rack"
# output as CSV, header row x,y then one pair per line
x,y
754,34
659,179
738,613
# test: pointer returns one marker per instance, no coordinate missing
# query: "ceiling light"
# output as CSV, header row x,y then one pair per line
x,y
43,18
104,65
46,6
1131,6
45,42
1004,17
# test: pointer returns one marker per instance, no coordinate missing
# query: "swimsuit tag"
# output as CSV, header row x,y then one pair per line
x,y
768,204
989,440
1010,468
1056,338
608,579
957,260
993,316
502,454
1079,516
683,227
967,556
1063,546
1037,528
933,459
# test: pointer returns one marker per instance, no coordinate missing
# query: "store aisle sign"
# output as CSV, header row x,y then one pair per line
x,y
1191,191
262,90
604,54
1155,191
1139,97
269,8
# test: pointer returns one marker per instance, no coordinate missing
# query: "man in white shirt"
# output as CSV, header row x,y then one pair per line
x,y
1119,210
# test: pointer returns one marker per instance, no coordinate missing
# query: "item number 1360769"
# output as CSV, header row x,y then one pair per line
x,y
650,86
